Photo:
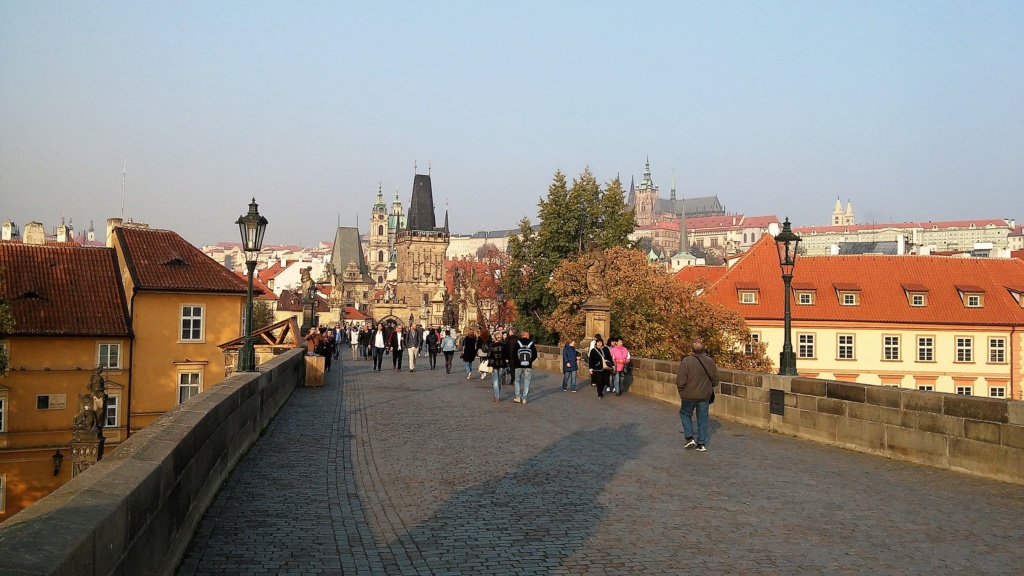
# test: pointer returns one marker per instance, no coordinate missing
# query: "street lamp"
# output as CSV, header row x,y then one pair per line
x,y
252,226
57,459
499,294
786,242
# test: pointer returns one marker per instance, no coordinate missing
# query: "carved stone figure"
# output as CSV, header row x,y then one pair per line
x,y
596,266
306,274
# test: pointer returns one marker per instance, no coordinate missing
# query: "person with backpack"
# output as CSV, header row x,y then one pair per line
x,y
498,359
570,365
600,364
525,354
448,348
433,346
483,351
469,352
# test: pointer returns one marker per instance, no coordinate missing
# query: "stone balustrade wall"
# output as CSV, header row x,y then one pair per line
x,y
971,434
135,511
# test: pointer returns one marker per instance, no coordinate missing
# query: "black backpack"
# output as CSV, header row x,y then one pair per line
x,y
524,354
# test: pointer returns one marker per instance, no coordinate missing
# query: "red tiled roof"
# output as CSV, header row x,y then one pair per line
x,y
691,273
759,221
1018,254
924,225
162,260
63,290
881,280
353,314
258,288
706,222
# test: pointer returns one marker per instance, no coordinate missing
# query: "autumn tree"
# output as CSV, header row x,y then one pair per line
x,y
656,315
571,217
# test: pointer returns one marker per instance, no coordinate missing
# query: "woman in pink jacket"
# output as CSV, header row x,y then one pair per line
x,y
621,357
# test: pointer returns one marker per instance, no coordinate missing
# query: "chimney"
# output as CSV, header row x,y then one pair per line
x,y
833,250
10,231
62,233
111,224
901,244
34,234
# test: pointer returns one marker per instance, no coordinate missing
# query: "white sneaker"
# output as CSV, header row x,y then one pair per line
x,y
691,443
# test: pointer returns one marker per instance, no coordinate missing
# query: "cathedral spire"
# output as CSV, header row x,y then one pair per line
x,y
421,206
672,193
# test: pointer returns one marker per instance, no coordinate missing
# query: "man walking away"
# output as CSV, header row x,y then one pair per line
x,y
498,359
696,378
448,348
511,345
570,365
525,354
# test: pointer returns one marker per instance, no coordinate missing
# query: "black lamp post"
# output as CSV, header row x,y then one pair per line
x,y
786,242
499,295
252,226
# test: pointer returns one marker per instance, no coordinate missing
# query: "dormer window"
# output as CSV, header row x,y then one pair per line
x,y
973,300
805,298
748,297
749,292
972,296
849,298
918,300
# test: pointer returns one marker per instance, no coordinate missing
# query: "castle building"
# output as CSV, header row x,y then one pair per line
x,y
650,208
417,293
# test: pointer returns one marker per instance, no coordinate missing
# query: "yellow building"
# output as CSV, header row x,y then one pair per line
x,y
182,304
70,316
923,322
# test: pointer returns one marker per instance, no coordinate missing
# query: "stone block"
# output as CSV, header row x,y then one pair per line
x,y
981,431
831,406
976,408
739,391
818,427
809,403
846,391
1012,436
954,426
884,396
788,423
921,401
808,386
758,414
748,378
928,422
890,416
916,446
662,366
725,388
790,400
725,374
1015,413
909,419
861,411
982,458
762,395
861,435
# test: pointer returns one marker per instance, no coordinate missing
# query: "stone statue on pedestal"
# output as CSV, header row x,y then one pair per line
x,y
87,432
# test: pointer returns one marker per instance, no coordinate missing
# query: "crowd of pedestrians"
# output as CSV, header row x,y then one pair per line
x,y
507,357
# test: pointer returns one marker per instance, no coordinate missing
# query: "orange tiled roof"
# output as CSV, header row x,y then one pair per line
x,y
63,290
691,273
259,289
924,225
882,282
162,260
353,314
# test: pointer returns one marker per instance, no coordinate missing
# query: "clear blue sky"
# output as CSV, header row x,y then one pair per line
x,y
913,110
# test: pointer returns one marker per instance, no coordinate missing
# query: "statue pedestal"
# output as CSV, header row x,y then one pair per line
x,y
85,453
599,320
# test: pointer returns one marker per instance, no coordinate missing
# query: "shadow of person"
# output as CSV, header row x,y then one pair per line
x,y
532,518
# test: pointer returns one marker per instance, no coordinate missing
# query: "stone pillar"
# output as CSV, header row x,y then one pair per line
x,y
87,435
599,320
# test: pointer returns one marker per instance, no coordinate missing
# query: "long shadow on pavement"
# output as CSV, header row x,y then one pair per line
x,y
532,518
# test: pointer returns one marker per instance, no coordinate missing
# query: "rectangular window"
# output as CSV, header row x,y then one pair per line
x,y
925,387
805,298
925,349
111,420
997,350
917,300
748,297
963,390
189,384
891,347
191,322
849,299
997,392
964,349
43,402
973,301
844,347
110,356
754,337
805,345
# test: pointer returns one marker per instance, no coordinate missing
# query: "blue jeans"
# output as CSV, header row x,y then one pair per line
x,y
569,378
496,377
469,367
617,379
686,415
523,377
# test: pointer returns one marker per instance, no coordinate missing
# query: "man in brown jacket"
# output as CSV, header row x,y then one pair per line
x,y
696,378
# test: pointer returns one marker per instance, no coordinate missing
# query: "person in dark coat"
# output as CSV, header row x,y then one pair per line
x,y
696,378
433,346
600,364
498,358
570,365
469,352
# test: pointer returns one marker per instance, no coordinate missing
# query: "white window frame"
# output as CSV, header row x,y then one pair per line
x,y
202,323
995,349
930,348
972,301
800,298
99,355
113,403
926,387
964,349
965,390
806,341
997,391
918,300
744,294
754,337
198,383
846,350
849,299
891,351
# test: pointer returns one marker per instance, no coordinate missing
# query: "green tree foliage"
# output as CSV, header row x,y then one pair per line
x,y
571,217
262,315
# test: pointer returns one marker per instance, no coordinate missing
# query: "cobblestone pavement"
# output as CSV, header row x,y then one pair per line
x,y
399,473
